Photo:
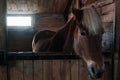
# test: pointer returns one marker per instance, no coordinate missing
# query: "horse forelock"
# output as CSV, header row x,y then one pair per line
x,y
92,21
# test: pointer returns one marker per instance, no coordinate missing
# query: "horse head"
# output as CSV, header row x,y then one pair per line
x,y
87,39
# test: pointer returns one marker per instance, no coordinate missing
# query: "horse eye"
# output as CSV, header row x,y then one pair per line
x,y
83,33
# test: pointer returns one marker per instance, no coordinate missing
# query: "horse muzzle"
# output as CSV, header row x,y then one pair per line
x,y
95,72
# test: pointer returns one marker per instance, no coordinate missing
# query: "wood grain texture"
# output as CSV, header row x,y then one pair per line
x,y
108,8
28,70
35,6
3,75
108,17
56,69
75,69
118,37
65,69
52,22
38,70
16,70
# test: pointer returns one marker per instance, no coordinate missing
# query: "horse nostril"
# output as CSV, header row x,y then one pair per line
x,y
95,72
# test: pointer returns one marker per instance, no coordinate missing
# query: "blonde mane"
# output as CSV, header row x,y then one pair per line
x,y
92,21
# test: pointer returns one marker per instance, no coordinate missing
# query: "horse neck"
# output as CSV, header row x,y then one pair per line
x,y
68,32
65,36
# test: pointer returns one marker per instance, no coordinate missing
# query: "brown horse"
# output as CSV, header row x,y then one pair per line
x,y
82,34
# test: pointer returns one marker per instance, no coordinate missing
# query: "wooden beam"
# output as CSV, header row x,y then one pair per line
x,y
117,23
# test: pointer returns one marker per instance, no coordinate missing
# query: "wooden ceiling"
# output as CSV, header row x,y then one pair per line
x,y
35,6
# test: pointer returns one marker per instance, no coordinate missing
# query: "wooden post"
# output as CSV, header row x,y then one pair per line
x,y
3,69
2,24
117,23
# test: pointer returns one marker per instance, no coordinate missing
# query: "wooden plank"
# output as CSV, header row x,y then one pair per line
x,y
83,73
13,71
118,64
117,18
38,70
28,70
3,75
108,26
49,22
108,17
117,25
47,70
115,67
74,70
51,70
101,3
65,70
56,69
108,71
108,8
20,70
36,6
16,70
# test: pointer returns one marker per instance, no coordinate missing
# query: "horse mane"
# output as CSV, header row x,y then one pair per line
x,y
92,21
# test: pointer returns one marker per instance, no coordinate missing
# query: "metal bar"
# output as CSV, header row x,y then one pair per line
x,y
39,56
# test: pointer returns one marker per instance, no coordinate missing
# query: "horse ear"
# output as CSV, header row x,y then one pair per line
x,y
74,10
78,13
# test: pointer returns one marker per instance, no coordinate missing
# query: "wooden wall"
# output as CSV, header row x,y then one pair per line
x,y
57,69
35,6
